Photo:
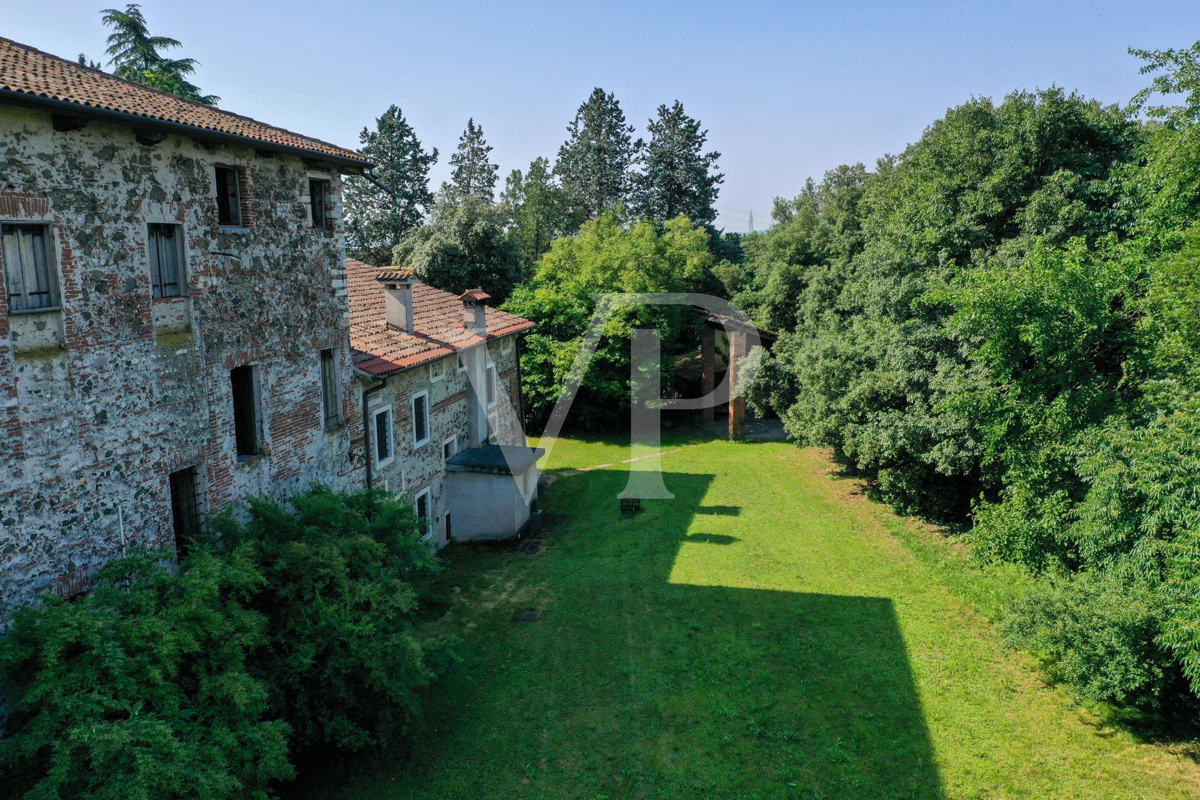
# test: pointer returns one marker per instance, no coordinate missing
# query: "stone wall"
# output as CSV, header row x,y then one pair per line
x,y
415,469
100,401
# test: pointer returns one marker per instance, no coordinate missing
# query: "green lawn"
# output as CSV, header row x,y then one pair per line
x,y
767,633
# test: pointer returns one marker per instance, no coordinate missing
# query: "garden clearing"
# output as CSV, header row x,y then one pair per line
x,y
770,632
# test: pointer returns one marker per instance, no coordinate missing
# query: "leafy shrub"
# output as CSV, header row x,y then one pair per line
x,y
142,689
344,659
1102,637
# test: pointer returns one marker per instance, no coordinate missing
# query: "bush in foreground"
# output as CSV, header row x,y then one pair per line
x,y
143,688
294,628
344,658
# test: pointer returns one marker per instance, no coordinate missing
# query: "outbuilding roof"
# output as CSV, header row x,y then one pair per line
x,y
502,459
438,329
30,76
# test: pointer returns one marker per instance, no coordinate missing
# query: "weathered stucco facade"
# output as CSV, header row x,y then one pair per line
x,y
102,398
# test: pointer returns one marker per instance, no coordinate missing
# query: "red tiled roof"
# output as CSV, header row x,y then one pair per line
x,y
437,324
41,76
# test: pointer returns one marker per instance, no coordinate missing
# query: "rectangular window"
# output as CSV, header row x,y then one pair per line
x,y
318,194
245,411
437,370
492,394
422,505
461,366
166,260
329,389
420,417
229,197
506,345
449,448
383,437
27,270
185,509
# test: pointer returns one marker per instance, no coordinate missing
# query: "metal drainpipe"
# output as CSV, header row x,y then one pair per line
x,y
366,438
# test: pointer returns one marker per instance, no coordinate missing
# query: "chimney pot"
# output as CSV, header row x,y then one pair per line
x,y
474,311
398,297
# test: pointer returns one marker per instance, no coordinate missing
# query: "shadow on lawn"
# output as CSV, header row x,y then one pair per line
x,y
823,682
629,684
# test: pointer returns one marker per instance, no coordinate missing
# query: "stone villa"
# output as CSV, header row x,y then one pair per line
x,y
180,328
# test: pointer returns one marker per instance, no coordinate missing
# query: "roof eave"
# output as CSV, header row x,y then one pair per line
x,y
193,131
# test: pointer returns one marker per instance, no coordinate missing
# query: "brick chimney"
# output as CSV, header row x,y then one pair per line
x,y
398,296
474,311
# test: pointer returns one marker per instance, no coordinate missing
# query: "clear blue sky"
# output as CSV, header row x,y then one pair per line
x,y
786,90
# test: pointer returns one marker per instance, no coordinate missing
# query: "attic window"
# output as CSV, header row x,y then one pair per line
x,y
229,197
318,194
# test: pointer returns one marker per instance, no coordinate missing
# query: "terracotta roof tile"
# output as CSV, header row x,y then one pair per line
x,y
27,71
437,324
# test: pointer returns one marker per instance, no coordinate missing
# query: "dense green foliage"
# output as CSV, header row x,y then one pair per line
x,y
381,208
144,688
137,56
464,245
605,257
1001,326
298,629
343,659
535,206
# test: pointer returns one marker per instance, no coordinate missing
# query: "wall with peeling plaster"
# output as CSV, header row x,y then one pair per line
x,y
100,401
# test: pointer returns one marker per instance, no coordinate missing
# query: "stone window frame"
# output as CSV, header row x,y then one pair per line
x,y
451,440
50,237
427,493
506,345
336,421
182,250
243,210
412,407
327,179
391,430
434,375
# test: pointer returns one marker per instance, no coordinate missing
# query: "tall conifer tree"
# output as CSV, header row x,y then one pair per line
x,y
473,173
677,176
595,163
381,209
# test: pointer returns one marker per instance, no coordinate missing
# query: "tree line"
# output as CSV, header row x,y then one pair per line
x,y
1000,328
463,234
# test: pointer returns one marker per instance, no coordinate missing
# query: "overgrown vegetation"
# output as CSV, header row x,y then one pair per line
x,y
1000,326
296,629
606,256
